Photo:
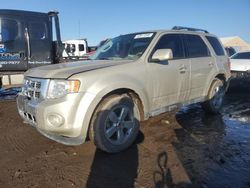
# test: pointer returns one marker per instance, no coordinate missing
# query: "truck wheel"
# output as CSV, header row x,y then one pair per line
x,y
215,97
115,123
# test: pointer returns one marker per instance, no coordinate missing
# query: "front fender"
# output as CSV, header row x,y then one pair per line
x,y
103,87
97,93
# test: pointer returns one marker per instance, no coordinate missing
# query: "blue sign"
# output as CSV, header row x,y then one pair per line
x,y
2,49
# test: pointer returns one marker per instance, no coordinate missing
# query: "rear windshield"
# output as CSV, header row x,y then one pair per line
x,y
218,49
242,55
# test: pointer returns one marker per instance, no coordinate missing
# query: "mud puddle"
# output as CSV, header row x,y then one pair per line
x,y
215,150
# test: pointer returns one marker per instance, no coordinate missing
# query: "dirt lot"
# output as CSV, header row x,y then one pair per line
x,y
187,148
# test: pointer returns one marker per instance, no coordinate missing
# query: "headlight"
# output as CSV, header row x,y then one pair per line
x,y
59,88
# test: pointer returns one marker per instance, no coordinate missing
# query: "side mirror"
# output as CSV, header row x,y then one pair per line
x,y
162,55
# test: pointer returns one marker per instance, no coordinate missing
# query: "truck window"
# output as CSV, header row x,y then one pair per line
x,y
196,46
73,48
173,42
216,45
81,47
37,31
8,30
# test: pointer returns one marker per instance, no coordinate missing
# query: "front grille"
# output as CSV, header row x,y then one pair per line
x,y
32,88
30,117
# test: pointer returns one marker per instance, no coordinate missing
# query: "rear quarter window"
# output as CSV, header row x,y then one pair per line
x,y
218,49
196,47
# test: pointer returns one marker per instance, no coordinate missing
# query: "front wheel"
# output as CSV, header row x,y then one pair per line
x,y
215,97
115,123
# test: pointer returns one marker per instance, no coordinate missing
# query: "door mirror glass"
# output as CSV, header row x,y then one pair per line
x,y
162,55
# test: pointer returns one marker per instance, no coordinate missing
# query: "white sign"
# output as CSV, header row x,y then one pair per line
x,y
143,35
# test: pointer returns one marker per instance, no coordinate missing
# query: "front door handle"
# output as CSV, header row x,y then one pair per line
x,y
183,69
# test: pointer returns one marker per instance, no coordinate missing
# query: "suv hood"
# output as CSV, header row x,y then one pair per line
x,y
65,70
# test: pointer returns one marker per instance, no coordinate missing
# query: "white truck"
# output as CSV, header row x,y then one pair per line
x,y
77,49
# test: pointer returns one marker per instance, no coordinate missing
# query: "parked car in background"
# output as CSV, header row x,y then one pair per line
x,y
77,49
230,51
240,64
89,54
129,78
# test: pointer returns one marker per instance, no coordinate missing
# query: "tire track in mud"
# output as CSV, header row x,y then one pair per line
x,y
12,137
17,145
58,167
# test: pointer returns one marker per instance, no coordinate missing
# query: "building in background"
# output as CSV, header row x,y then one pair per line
x,y
236,42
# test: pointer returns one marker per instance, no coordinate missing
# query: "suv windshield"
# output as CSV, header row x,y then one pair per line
x,y
130,46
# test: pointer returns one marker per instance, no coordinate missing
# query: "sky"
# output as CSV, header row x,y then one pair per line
x,y
100,19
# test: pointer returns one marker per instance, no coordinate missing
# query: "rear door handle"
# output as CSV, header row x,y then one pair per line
x,y
211,64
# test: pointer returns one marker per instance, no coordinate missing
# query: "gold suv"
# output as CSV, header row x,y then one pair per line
x,y
129,79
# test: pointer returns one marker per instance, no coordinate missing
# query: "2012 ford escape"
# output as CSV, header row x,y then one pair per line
x,y
129,79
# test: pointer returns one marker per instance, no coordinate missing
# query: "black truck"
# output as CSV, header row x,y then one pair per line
x,y
27,40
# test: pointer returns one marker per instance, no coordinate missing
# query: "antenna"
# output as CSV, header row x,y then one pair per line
x,y
79,29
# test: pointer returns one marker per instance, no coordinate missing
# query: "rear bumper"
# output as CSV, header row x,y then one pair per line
x,y
240,74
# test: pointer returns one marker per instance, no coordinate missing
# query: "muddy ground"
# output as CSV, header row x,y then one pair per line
x,y
187,148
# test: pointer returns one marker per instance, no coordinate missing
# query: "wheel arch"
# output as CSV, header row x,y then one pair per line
x,y
220,76
137,96
131,93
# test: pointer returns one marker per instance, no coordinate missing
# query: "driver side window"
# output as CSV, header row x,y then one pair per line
x,y
173,42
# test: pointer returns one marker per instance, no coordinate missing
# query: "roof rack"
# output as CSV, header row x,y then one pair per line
x,y
188,29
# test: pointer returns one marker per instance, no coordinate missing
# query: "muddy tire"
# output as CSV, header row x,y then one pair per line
x,y
115,123
215,97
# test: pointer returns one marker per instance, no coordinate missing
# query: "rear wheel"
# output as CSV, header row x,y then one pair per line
x,y
215,95
115,123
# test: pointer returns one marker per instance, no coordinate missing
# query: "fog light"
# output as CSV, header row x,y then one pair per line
x,y
55,120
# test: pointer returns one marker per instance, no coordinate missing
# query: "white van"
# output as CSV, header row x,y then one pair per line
x,y
75,49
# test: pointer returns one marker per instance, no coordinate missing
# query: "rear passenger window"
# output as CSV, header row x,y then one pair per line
x,y
196,46
216,45
81,47
173,42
